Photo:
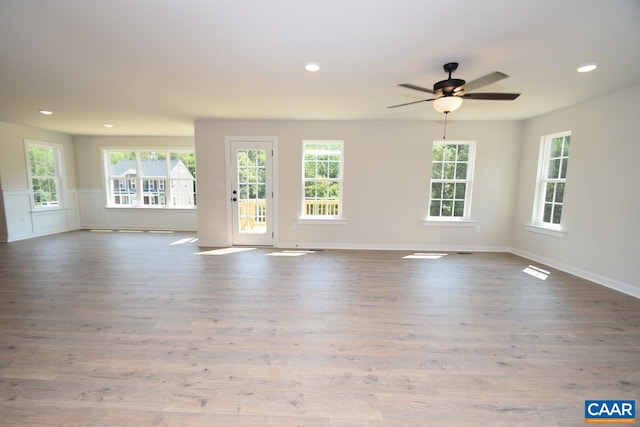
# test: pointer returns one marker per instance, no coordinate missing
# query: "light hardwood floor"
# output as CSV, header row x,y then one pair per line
x,y
129,329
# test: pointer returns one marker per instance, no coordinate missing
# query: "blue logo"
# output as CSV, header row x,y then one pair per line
x,y
610,411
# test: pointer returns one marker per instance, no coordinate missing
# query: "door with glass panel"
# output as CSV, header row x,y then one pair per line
x,y
251,192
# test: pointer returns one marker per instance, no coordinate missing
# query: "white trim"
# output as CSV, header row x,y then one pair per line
x,y
61,181
393,247
140,192
322,221
469,181
448,223
149,207
340,179
541,229
229,139
537,214
27,223
213,244
625,288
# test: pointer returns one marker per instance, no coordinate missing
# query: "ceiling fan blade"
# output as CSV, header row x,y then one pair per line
x,y
492,96
409,103
414,87
496,76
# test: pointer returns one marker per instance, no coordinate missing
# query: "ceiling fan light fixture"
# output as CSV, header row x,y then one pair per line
x,y
312,67
587,68
447,104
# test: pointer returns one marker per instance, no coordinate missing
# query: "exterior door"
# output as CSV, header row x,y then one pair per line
x,y
251,192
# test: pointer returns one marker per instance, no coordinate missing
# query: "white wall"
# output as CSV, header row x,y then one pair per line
x,y
385,186
93,198
386,183
601,210
19,220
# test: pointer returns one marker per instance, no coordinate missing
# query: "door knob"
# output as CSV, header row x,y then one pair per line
x,y
233,199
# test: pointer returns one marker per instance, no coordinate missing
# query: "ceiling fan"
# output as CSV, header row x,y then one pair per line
x,y
449,93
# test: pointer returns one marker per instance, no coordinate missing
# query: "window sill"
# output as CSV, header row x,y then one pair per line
x,y
545,230
163,208
49,209
448,223
322,221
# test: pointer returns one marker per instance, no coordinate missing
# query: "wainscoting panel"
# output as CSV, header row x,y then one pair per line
x,y
18,214
95,215
25,223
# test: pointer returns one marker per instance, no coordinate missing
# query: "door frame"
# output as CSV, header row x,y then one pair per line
x,y
229,167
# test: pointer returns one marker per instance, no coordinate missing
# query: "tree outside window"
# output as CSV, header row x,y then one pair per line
x,y
322,178
552,178
44,173
451,175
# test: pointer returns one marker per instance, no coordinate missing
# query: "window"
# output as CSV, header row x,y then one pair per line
x,y
44,173
552,177
137,178
322,179
451,177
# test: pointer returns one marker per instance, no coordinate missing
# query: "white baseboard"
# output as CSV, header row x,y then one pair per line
x,y
388,247
213,244
34,235
600,280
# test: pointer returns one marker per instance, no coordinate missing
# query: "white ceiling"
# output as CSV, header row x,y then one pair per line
x,y
151,67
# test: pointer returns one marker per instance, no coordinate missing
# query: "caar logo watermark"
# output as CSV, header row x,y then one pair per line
x,y
610,411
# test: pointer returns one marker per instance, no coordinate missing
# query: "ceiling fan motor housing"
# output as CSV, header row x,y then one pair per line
x,y
448,87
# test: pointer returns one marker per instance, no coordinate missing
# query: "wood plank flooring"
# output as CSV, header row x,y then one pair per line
x,y
142,329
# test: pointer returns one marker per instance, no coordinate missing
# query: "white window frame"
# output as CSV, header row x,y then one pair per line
x,y
58,176
169,191
544,159
465,219
323,218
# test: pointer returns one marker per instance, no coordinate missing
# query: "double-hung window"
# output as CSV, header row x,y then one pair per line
x,y
552,178
451,179
45,166
322,167
145,178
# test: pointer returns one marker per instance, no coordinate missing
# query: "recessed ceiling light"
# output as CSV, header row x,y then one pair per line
x,y
108,125
46,112
587,67
312,66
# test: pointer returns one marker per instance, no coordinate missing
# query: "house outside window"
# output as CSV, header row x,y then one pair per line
x,y
322,169
452,164
137,178
45,179
552,178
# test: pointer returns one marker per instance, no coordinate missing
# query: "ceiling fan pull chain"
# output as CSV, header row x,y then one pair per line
x,y
445,126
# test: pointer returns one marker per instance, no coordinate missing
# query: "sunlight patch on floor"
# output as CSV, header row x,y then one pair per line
x,y
290,253
534,271
224,251
183,241
421,255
